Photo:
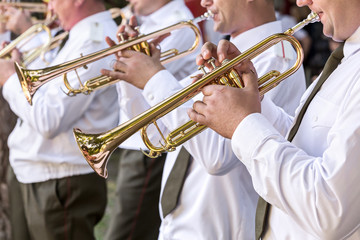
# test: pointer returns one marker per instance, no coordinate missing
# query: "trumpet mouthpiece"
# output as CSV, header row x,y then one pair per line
x,y
207,15
313,17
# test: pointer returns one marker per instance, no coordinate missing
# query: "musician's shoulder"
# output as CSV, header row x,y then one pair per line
x,y
285,50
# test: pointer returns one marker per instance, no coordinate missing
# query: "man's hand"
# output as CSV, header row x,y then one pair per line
x,y
126,31
135,67
224,50
223,107
7,66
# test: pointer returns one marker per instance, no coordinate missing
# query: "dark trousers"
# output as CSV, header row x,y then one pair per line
x,y
136,208
19,228
59,209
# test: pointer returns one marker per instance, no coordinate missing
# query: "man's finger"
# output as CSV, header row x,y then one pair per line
x,y
248,75
119,34
250,80
199,106
112,74
159,39
208,50
131,32
16,55
127,53
196,77
196,117
133,21
155,52
119,66
226,50
210,89
109,41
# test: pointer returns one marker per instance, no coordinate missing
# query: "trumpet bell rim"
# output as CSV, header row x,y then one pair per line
x,y
96,162
23,82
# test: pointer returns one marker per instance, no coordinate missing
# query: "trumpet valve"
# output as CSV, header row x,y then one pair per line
x,y
212,62
137,28
229,78
121,36
202,68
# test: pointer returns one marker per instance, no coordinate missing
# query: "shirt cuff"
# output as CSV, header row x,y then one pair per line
x,y
269,109
162,85
249,134
12,86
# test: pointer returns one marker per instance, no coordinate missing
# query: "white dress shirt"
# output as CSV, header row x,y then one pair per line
x,y
219,205
42,145
212,154
288,93
130,99
5,36
312,182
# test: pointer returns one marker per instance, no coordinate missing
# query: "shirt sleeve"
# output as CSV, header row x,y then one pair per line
x,y
5,36
211,150
181,40
319,193
53,111
276,116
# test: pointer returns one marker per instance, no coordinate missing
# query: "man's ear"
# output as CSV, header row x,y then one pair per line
x,y
78,3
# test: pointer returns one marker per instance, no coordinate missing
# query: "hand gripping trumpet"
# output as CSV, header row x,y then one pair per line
x,y
31,80
32,7
40,50
97,148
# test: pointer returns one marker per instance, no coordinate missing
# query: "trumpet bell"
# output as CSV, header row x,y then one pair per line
x,y
93,151
25,86
97,148
29,81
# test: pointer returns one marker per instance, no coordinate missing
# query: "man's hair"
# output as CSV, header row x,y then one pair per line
x,y
278,4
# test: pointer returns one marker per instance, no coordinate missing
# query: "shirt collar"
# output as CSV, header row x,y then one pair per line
x,y
164,12
249,38
352,44
77,30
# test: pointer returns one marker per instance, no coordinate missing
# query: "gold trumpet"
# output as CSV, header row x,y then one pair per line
x,y
32,7
26,36
118,12
30,55
97,148
31,80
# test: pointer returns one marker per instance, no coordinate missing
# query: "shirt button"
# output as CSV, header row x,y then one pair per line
x,y
315,118
151,97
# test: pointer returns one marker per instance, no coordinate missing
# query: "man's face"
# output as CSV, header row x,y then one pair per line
x,y
228,15
340,18
64,10
143,7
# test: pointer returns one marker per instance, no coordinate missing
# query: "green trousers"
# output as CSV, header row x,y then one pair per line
x,y
66,208
135,215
